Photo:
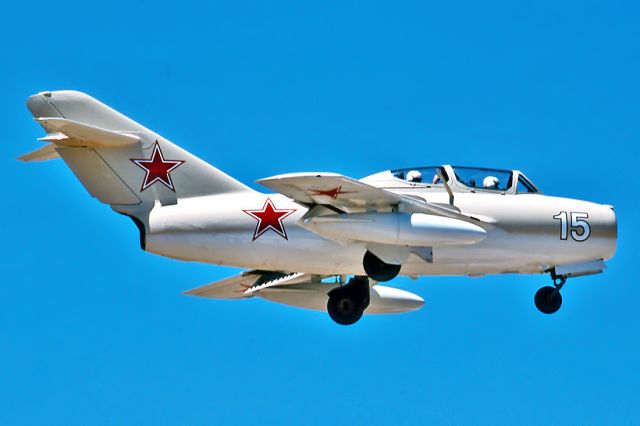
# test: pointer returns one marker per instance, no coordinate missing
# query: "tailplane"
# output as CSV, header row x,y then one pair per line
x,y
119,161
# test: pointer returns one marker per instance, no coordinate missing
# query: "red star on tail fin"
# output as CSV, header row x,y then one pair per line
x,y
157,169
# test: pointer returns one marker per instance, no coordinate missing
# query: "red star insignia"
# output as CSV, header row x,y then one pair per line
x,y
333,193
269,218
157,169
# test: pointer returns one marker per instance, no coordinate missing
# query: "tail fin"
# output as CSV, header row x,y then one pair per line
x,y
120,162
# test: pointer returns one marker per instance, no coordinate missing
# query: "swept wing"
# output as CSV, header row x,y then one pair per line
x,y
303,291
349,195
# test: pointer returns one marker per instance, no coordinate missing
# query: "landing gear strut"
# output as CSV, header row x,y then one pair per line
x,y
548,299
347,303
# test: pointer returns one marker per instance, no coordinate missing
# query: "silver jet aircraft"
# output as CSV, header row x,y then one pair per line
x,y
302,242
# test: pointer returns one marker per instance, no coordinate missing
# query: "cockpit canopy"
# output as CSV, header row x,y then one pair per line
x,y
467,178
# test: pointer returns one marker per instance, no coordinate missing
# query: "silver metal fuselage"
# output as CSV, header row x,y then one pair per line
x,y
522,236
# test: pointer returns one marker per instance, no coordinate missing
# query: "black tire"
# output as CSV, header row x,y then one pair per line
x,y
344,309
379,270
548,300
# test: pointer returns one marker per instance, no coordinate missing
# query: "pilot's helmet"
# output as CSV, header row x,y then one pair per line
x,y
490,182
414,176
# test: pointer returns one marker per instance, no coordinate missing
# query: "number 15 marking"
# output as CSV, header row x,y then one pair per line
x,y
578,222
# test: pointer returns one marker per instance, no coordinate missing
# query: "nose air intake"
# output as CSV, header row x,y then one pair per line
x,y
603,233
612,231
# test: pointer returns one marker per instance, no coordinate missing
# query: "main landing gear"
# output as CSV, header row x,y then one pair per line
x,y
379,270
347,303
548,299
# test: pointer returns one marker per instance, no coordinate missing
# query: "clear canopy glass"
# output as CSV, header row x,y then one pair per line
x,y
427,175
472,177
479,178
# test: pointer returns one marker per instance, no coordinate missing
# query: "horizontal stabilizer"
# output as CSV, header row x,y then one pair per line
x,y
53,137
73,133
47,152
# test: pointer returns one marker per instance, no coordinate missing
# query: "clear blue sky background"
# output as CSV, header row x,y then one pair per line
x,y
95,331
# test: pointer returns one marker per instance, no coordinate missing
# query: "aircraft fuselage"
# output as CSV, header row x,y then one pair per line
x,y
525,233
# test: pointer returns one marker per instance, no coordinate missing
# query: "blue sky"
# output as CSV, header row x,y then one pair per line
x,y
95,331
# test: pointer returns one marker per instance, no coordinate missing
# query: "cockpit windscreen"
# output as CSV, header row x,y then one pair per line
x,y
488,179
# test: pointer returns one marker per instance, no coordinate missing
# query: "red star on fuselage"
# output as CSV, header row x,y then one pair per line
x,y
333,193
269,218
157,169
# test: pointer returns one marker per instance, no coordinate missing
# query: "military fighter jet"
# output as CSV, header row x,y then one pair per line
x,y
324,241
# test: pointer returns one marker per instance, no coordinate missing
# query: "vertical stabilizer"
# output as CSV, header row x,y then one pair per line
x,y
119,161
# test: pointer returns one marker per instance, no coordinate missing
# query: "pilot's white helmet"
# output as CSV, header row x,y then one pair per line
x,y
490,182
414,176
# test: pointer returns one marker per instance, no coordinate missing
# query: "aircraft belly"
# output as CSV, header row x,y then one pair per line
x,y
311,254
307,252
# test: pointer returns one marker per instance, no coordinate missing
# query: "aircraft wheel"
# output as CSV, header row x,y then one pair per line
x,y
548,300
347,303
344,310
379,270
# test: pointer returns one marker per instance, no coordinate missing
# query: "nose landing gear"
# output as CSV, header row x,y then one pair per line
x,y
347,303
548,299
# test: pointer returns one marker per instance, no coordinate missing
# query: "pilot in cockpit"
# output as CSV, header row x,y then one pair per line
x,y
490,182
414,176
